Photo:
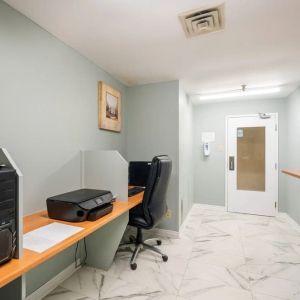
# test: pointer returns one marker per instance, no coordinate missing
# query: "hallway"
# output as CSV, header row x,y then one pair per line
x,y
220,255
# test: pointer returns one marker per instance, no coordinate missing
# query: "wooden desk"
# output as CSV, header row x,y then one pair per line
x,y
17,267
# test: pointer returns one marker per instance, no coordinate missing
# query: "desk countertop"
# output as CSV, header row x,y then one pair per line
x,y
17,267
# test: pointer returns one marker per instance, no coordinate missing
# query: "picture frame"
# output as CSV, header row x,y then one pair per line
x,y
109,111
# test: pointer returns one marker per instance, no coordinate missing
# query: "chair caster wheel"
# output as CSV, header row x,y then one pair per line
x,y
133,266
165,258
158,242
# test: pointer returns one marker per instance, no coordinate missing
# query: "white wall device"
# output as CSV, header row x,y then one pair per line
x,y
206,149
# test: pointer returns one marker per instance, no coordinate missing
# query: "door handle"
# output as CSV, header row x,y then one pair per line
x,y
231,163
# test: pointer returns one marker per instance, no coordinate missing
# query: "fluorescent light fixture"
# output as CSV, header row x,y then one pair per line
x,y
240,93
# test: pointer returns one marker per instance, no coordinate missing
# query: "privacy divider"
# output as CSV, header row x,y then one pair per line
x,y
106,170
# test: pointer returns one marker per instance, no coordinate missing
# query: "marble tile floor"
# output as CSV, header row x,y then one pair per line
x,y
219,256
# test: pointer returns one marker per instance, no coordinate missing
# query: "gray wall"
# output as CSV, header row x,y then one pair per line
x,y
152,121
49,110
293,184
185,154
209,173
44,272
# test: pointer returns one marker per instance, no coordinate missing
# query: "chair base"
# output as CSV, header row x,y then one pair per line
x,y
140,244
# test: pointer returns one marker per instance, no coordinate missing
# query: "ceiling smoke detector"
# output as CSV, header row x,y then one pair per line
x,y
201,21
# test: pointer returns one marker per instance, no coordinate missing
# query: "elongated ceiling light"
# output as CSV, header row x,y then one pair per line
x,y
240,93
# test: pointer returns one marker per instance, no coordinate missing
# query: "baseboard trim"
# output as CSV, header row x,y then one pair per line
x,y
213,207
184,223
54,282
165,233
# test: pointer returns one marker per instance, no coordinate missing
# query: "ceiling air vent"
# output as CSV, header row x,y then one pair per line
x,y
200,21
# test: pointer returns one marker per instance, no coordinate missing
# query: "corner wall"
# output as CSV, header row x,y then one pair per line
x,y
152,120
185,154
293,163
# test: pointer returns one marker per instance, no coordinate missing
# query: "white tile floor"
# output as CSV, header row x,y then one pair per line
x,y
220,256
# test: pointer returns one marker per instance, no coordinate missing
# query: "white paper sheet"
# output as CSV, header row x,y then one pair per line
x,y
43,238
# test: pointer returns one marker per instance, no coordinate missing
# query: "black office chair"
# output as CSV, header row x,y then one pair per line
x,y
148,214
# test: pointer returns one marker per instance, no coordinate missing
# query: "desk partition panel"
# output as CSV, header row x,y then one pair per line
x,y
105,170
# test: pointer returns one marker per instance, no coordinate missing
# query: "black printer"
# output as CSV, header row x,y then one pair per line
x,y
80,205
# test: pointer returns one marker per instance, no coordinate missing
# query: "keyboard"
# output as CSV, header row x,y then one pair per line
x,y
135,190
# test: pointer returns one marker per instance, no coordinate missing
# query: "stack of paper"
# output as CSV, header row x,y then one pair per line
x,y
45,237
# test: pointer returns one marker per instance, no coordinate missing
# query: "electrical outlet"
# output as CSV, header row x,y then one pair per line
x,y
169,214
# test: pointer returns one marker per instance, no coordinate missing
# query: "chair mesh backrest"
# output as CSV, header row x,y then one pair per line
x,y
154,201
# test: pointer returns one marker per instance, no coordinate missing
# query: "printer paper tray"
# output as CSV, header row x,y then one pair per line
x,y
95,214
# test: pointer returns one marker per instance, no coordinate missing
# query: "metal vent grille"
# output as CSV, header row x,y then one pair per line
x,y
201,21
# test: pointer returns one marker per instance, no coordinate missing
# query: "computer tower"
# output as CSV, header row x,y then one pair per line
x,y
8,212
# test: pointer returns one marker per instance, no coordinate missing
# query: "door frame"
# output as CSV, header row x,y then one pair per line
x,y
276,155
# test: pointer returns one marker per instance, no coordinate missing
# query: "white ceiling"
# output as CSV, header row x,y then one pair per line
x,y
141,41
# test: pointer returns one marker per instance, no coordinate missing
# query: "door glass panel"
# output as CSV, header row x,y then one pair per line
x,y
251,165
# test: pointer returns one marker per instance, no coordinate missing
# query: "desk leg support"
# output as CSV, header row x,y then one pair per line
x,y
102,245
15,290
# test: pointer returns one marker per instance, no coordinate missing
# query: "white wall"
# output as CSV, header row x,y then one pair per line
x,y
293,154
185,154
49,109
209,173
152,121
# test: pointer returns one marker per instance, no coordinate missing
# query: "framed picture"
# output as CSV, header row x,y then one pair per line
x,y
109,108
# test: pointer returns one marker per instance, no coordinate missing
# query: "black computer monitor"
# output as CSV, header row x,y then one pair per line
x,y
138,172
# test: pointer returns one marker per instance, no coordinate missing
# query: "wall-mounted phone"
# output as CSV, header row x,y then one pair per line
x,y
206,149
